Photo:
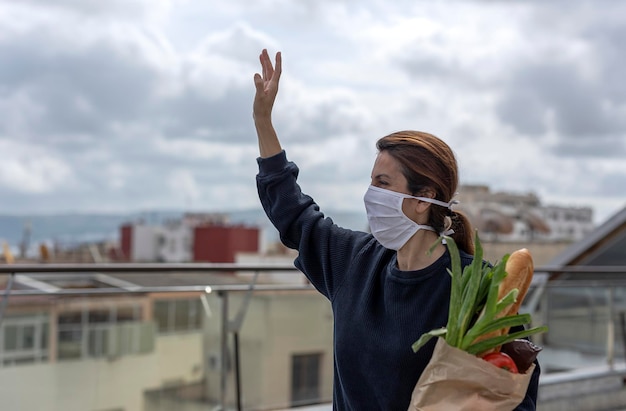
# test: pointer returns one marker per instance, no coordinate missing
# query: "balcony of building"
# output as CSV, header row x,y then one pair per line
x,y
153,337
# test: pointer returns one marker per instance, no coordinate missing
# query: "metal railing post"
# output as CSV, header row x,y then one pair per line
x,y
235,327
610,329
224,349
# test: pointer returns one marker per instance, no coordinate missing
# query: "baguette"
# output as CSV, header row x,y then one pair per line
x,y
519,268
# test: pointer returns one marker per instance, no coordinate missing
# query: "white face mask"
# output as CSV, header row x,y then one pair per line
x,y
388,223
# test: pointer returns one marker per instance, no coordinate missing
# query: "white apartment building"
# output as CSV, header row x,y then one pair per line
x,y
567,223
511,217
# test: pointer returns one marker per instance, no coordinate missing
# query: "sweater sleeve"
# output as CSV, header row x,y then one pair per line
x,y
324,249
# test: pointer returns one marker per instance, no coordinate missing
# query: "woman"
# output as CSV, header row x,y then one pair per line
x,y
385,289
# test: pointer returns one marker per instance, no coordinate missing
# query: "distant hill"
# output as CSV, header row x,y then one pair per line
x,y
73,228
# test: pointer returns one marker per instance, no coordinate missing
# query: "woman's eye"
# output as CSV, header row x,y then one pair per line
x,y
378,182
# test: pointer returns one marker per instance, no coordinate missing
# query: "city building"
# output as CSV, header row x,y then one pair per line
x,y
196,237
511,217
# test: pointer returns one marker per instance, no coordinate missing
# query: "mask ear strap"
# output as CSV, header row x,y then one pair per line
x,y
447,205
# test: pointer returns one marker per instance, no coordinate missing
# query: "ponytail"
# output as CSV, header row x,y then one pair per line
x,y
463,234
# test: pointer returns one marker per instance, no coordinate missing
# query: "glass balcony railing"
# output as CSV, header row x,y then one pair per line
x,y
156,337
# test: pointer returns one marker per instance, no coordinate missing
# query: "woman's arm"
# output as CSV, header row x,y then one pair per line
x,y
530,401
266,90
325,250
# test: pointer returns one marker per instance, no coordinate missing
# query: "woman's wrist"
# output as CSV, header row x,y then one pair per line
x,y
269,144
262,117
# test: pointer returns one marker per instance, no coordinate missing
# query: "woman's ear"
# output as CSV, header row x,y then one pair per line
x,y
421,207
416,210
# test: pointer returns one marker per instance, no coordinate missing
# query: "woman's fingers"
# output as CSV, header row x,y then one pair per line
x,y
258,83
279,66
266,65
266,84
268,70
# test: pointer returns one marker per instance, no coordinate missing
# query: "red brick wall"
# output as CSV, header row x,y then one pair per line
x,y
126,241
219,244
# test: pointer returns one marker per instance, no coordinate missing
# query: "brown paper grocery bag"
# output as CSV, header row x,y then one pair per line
x,y
457,380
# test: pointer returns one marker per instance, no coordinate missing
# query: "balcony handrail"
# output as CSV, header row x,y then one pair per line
x,y
163,289
22,268
142,268
613,276
131,268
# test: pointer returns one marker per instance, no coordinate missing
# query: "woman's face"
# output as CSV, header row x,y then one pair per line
x,y
387,174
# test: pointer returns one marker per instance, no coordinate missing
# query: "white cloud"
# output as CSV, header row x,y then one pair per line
x,y
122,101
182,184
118,9
28,169
193,150
117,175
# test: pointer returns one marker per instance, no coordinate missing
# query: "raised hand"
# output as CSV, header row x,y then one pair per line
x,y
266,85
266,89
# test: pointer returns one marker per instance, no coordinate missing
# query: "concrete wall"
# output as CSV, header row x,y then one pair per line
x,y
277,326
101,384
144,243
77,385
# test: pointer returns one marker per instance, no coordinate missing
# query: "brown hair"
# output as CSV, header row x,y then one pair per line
x,y
430,167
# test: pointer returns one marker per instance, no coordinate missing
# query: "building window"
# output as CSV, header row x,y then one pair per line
x,y
178,315
305,379
102,332
23,340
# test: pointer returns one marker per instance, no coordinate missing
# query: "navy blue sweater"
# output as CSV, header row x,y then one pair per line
x,y
379,311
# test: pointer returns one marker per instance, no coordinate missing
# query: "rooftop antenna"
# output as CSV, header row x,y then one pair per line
x,y
25,243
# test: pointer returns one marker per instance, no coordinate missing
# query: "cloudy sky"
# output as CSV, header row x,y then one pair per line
x,y
135,105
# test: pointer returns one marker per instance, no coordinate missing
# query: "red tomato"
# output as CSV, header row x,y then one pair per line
x,y
501,360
